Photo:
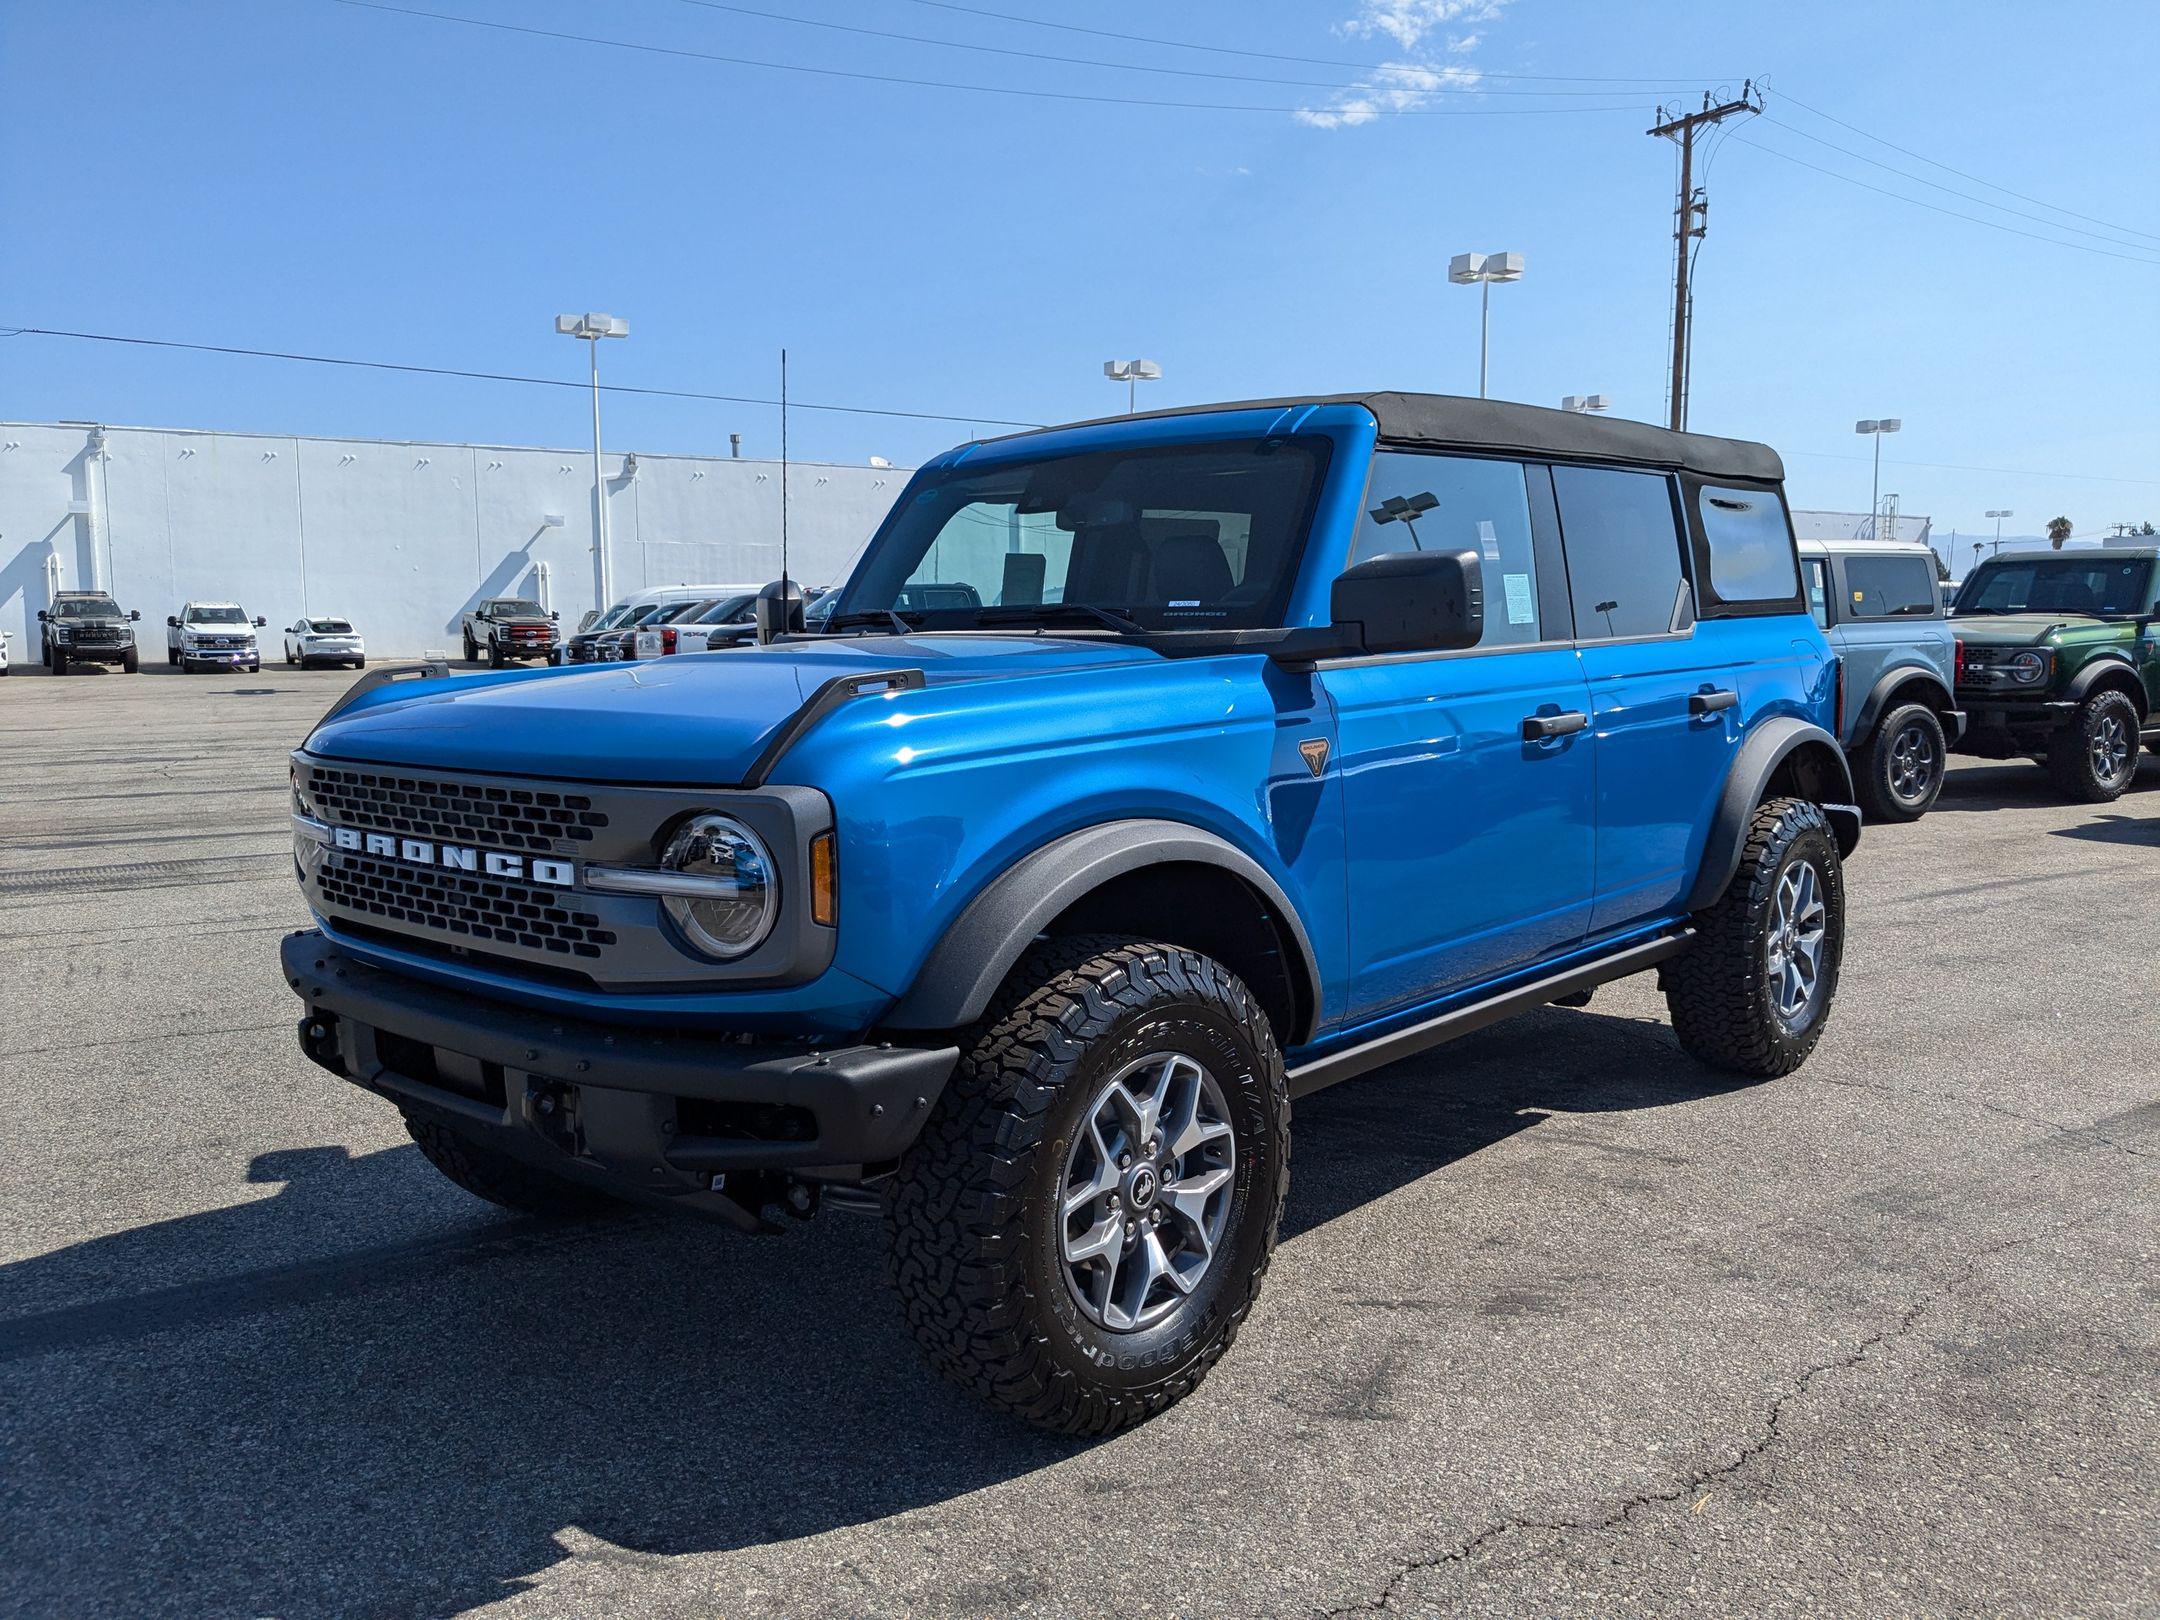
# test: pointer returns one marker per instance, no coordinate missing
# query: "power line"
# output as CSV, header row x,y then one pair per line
x,y
1915,202
502,376
1475,76
1923,180
1962,175
1278,56
2003,472
944,84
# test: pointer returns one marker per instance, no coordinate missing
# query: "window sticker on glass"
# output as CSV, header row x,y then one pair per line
x,y
1488,540
1519,607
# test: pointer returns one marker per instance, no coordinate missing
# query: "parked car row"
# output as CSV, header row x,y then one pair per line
x,y
89,627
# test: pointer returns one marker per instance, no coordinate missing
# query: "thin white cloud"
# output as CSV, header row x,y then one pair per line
x,y
1406,83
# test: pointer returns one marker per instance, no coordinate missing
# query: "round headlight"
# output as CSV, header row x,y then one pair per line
x,y
300,799
2028,666
745,890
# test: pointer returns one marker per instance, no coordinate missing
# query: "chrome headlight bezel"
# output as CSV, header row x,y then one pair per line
x,y
738,867
2029,667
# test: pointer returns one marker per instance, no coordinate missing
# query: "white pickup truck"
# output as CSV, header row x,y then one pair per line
x,y
212,635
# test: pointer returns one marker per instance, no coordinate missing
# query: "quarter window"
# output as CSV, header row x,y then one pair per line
x,y
1889,588
1751,550
1818,590
1459,503
1623,551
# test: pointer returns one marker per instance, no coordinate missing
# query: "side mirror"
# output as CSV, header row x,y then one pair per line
x,y
134,615
779,610
42,615
262,624
172,619
554,618
1411,601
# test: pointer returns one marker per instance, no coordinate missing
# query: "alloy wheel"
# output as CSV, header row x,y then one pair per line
x,y
2111,748
1146,1192
1913,764
1799,924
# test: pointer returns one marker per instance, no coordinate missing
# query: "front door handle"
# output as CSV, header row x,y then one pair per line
x,y
1711,702
1542,727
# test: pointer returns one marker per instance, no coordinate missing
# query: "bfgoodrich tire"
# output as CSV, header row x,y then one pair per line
x,y
1753,992
1085,1221
2094,758
501,1179
1901,769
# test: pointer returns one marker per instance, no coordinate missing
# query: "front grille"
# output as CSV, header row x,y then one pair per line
x,y
452,903
509,818
222,642
101,638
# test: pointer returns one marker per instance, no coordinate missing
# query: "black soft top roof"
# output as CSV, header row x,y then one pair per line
x,y
1494,424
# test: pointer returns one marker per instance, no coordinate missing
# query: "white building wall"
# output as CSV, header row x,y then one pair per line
x,y
400,538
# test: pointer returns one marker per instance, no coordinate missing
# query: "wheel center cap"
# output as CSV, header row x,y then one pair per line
x,y
1141,1186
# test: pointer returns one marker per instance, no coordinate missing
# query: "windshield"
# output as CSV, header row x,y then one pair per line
x,y
516,604
90,607
1189,537
216,615
2096,585
330,627
728,610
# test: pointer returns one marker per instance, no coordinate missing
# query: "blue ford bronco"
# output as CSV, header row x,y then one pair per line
x,y
1147,776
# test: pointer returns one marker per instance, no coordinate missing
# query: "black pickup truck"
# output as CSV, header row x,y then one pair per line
x,y
86,627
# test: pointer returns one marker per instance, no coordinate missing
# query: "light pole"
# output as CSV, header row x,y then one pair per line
x,y
1131,373
1875,429
1484,269
1998,516
1584,404
592,328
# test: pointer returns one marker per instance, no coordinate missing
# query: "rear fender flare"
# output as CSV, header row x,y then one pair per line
x,y
979,948
1930,688
1773,743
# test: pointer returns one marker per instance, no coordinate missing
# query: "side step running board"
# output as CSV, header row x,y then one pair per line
x,y
1308,1078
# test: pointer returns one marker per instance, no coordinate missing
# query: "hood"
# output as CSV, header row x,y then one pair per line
x,y
100,621
699,719
2034,629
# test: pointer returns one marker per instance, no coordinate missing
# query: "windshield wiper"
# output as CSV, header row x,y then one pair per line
x,y
1023,613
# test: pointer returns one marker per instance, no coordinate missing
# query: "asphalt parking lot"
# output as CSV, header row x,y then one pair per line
x,y
1561,1324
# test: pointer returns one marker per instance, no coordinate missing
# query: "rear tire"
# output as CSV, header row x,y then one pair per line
x,y
172,658
1134,1090
1752,994
500,1179
1901,768
472,650
2094,758
132,662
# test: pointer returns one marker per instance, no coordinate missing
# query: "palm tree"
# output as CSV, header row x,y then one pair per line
x,y
2058,531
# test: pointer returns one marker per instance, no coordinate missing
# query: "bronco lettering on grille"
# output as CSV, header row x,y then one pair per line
x,y
456,857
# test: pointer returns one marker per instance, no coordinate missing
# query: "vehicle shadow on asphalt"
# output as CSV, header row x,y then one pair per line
x,y
2020,785
246,1411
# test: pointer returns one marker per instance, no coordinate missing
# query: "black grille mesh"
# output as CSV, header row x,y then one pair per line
x,y
453,812
478,908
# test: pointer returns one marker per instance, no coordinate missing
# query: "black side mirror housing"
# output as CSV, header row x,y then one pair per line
x,y
554,618
1411,601
134,615
42,615
262,624
779,610
172,619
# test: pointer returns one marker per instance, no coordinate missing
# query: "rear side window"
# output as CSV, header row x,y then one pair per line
x,y
1623,551
1751,549
1459,503
1818,590
1888,588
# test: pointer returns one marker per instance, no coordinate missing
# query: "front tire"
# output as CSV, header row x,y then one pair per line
x,y
500,1179
1752,993
59,661
2094,758
495,654
1085,1221
1901,769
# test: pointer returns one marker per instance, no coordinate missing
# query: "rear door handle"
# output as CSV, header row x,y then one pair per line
x,y
1541,727
1711,702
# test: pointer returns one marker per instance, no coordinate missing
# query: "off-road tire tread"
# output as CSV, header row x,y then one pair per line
x,y
1872,783
501,1179
2069,756
955,1257
1717,991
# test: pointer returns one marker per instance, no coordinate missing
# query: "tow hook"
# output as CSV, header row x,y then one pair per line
x,y
551,1110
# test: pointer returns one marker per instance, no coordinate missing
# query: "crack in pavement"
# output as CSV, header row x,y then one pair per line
x,y
2085,1133
1906,1320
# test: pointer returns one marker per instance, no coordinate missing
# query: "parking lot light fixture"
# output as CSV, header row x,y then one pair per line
x,y
1875,428
1131,373
1585,404
1482,270
1998,514
592,328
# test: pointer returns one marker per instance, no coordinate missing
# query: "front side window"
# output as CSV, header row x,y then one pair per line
x,y
728,610
1751,549
1459,503
1889,588
2096,585
1623,551
1188,537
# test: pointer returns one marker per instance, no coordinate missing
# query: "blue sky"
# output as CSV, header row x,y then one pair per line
x,y
314,176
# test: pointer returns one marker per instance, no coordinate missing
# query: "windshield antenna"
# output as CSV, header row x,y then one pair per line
x,y
783,475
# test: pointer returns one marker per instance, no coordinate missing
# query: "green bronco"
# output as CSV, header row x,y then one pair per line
x,y
2058,659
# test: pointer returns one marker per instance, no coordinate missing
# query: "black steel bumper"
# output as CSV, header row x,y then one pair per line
x,y
2002,727
646,1113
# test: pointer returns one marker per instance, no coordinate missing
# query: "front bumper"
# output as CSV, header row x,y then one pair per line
x,y
104,653
2000,728
236,657
642,1113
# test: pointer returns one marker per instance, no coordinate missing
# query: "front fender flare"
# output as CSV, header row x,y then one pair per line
x,y
1771,744
966,966
2100,668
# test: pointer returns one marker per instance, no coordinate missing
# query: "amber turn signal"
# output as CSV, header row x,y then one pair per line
x,y
824,881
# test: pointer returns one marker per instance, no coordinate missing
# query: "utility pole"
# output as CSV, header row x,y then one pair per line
x,y
1690,219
